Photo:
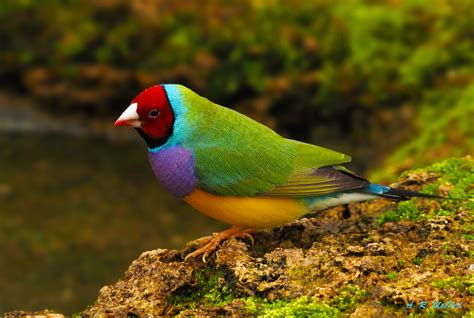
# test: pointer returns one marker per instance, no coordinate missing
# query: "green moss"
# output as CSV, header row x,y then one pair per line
x,y
470,254
461,283
299,307
392,275
459,172
406,210
445,249
212,288
470,285
469,237
348,298
389,216
417,260
456,174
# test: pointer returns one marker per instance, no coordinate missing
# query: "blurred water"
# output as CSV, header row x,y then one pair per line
x,y
74,212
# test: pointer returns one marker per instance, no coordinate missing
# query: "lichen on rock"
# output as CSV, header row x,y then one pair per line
x,y
386,259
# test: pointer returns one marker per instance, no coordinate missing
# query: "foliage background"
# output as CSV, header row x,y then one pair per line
x,y
389,82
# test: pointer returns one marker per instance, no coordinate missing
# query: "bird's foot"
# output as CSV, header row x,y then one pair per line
x,y
211,243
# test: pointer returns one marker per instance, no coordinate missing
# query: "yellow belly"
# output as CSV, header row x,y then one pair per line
x,y
253,212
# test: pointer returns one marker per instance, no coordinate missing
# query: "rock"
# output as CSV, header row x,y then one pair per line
x,y
387,262
328,262
39,314
146,286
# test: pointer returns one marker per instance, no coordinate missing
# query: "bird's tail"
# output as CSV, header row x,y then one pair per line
x,y
396,193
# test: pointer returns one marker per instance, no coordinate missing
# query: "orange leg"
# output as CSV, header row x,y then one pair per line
x,y
211,243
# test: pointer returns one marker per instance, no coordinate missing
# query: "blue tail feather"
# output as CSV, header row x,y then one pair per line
x,y
378,189
396,193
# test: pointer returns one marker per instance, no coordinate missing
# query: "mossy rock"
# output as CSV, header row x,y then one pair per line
x,y
386,259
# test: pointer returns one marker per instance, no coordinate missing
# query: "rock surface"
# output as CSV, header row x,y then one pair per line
x,y
371,259
377,258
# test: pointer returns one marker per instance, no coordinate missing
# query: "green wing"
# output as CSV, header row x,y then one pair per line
x,y
311,178
235,155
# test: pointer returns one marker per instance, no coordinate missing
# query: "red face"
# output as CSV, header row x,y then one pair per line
x,y
151,112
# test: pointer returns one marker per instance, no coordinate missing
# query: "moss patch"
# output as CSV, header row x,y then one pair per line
x,y
324,266
459,283
392,275
348,297
454,182
210,287
299,307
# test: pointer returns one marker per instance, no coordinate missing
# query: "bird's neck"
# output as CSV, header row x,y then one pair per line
x,y
153,143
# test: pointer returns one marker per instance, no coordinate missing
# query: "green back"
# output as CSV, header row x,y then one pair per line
x,y
235,155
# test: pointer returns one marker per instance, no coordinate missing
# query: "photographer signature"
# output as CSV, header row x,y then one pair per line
x,y
436,304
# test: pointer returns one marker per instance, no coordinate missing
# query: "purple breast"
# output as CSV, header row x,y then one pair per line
x,y
174,168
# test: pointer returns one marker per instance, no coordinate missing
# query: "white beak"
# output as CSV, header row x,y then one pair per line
x,y
129,117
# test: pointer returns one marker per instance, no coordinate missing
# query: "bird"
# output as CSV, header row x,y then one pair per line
x,y
236,170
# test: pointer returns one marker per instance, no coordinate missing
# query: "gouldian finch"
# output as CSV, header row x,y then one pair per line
x,y
236,170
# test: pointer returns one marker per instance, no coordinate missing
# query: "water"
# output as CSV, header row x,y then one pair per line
x,y
74,213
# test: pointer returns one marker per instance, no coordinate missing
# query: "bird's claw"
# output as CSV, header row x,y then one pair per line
x,y
245,235
206,250
211,243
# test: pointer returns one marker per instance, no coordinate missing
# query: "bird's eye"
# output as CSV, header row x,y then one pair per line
x,y
154,113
